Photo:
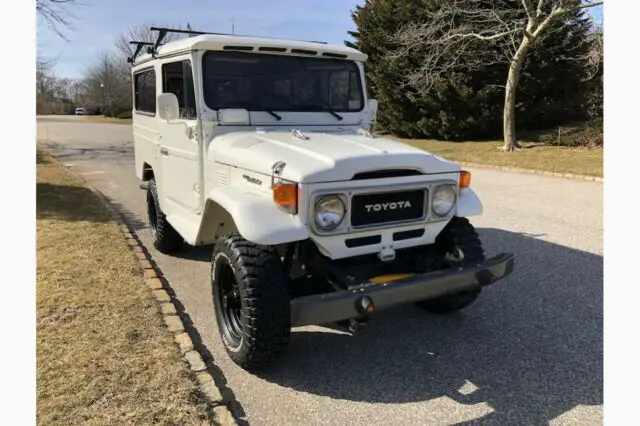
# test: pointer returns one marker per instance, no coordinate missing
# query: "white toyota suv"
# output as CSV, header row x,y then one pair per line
x,y
262,148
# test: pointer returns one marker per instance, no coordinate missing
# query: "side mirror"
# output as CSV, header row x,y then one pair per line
x,y
168,107
233,116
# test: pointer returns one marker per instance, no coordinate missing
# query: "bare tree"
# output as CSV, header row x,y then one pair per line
x,y
106,84
114,68
43,79
449,34
53,94
56,14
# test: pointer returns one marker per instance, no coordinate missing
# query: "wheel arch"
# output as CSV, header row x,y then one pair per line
x,y
469,204
254,217
216,221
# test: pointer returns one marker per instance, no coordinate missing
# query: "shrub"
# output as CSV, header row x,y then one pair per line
x,y
583,135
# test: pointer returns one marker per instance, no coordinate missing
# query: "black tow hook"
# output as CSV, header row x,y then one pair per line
x,y
356,324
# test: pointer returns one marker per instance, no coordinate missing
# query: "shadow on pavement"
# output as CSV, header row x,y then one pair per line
x,y
200,253
531,344
122,153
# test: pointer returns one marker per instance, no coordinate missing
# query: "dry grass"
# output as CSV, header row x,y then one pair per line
x,y
103,354
111,120
581,161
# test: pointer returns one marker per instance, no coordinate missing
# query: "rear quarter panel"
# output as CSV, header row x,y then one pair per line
x,y
145,143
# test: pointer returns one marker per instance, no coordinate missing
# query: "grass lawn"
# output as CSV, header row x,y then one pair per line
x,y
536,156
104,355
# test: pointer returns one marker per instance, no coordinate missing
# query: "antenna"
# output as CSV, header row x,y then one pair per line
x,y
233,26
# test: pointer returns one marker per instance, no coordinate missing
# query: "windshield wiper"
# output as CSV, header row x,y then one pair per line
x,y
277,116
331,111
328,108
335,114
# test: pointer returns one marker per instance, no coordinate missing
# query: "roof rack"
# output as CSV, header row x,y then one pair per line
x,y
162,32
139,46
152,48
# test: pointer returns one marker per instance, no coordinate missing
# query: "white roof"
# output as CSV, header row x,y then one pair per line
x,y
258,45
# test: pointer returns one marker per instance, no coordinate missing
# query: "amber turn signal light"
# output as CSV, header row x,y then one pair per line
x,y
285,195
465,179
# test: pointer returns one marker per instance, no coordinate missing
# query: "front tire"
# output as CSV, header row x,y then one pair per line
x,y
164,237
251,302
459,233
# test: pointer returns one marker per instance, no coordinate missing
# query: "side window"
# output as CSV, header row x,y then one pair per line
x,y
145,92
177,78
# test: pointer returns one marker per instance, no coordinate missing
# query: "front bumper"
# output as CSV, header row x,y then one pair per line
x,y
350,303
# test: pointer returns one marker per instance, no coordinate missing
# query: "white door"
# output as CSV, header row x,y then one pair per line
x,y
178,142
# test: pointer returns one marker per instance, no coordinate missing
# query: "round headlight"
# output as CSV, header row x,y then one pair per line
x,y
329,212
444,198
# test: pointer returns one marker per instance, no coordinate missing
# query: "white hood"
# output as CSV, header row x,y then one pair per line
x,y
322,157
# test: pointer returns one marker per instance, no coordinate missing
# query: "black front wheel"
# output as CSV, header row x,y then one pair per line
x,y
251,302
460,238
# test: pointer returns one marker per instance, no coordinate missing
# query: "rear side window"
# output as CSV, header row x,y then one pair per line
x,y
145,92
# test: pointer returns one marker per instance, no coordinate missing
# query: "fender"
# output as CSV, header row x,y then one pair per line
x,y
258,218
468,204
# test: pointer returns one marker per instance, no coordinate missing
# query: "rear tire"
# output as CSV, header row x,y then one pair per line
x,y
251,302
459,233
165,238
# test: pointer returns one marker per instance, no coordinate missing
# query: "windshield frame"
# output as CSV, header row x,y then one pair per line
x,y
352,66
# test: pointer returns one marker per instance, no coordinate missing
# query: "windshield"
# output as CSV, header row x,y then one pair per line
x,y
281,83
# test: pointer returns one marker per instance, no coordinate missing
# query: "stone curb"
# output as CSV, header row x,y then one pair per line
x,y
172,320
531,171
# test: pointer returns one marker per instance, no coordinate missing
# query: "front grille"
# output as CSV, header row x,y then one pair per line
x,y
387,207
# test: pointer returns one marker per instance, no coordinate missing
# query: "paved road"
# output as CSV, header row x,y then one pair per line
x,y
528,353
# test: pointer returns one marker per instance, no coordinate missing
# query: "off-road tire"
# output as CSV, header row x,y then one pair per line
x,y
258,330
165,238
459,233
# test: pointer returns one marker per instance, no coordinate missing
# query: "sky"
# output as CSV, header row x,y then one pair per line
x,y
97,23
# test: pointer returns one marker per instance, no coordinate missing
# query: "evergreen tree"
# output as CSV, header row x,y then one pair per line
x,y
468,102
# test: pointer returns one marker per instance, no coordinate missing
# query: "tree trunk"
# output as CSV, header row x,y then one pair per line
x,y
509,111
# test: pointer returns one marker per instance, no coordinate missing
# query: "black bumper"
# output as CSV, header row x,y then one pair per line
x,y
340,305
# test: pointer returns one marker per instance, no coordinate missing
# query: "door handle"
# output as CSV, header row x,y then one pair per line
x,y
164,151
